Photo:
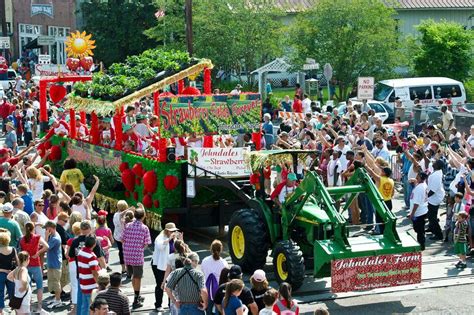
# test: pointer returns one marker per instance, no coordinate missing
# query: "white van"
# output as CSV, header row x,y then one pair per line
x,y
428,90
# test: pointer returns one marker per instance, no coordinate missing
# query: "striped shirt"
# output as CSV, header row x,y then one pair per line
x,y
188,283
86,263
118,302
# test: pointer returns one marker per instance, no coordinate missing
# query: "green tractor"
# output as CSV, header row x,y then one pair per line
x,y
309,226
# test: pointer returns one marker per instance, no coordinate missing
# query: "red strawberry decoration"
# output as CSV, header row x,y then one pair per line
x,y
123,166
150,181
128,180
57,92
86,63
72,64
127,194
55,153
147,201
135,195
63,143
138,170
171,180
156,203
137,181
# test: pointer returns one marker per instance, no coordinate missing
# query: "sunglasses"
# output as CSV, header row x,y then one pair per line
x,y
40,204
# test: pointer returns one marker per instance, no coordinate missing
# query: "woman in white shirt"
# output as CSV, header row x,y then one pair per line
x,y
119,225
36,180
84,206
160,259
213,265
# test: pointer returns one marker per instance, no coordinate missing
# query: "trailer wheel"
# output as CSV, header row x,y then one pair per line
x,y
248,240
288,262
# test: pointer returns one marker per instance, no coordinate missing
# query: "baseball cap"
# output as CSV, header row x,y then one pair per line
x,y
102,213
126,128
235,272
10,124
292,176
51,121
259,275
7,207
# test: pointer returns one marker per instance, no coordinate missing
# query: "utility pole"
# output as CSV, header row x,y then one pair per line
x,y
3,19
188,10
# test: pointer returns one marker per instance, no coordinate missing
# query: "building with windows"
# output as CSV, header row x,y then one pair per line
x,y
41,27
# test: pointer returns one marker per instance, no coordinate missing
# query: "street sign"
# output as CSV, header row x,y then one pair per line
x,y
365,88
44,59
327,72
311,66
45,40
310,60
4,42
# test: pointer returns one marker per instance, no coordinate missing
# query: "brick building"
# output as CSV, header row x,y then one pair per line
x,y
33,18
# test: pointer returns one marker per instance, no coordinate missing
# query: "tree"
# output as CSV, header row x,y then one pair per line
x,y
357,37
169,30
443,49
117,27
238,36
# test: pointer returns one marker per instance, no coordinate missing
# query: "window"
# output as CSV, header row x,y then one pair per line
x,y
28,33
391,98
421,93
382,91
57,50
443,91
377,108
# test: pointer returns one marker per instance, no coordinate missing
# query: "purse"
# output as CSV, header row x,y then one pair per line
x,y
15,302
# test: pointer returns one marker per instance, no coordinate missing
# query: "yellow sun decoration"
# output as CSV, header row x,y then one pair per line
x,y
79,45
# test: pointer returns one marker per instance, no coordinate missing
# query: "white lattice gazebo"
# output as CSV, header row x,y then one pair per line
x,y
277,65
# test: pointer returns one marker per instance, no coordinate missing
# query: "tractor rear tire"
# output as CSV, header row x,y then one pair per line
x,y
289,265
248,240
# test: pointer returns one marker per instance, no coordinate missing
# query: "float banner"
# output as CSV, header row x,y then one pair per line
x,y
367,273
226,162
95,155
229,117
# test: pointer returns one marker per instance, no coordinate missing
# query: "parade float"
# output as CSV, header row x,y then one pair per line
x,y
160,182
219,186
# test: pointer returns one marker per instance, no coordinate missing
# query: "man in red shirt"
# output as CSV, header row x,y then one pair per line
x,y
88,268
297,105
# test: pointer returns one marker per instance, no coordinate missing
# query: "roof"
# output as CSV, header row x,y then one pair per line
x,y
434,4
419,81
294,6
277,65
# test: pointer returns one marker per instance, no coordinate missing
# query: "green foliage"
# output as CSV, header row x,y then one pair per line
x,y
238,36
469,86
358,38
137,71
443,49
117,27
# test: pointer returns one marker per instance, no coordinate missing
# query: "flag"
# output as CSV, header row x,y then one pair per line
x,y
159,14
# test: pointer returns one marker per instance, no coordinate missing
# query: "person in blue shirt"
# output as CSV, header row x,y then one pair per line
x,y
268,87
231,304
54,261
27,197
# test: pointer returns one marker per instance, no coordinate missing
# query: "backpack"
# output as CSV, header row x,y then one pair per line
x,y
286,311
212,285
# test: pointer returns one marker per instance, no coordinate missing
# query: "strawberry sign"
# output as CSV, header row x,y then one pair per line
x,y
371,272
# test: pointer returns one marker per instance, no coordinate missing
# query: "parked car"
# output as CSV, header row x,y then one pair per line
x,y
380,110
10,81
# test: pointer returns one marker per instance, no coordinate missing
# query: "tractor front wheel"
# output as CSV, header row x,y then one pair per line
x,y
288,262
248,240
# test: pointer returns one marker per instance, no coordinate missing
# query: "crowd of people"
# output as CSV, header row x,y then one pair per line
x,y
49,228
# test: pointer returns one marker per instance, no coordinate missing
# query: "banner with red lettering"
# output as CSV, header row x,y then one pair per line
x,y
201,117
366,273
226,162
